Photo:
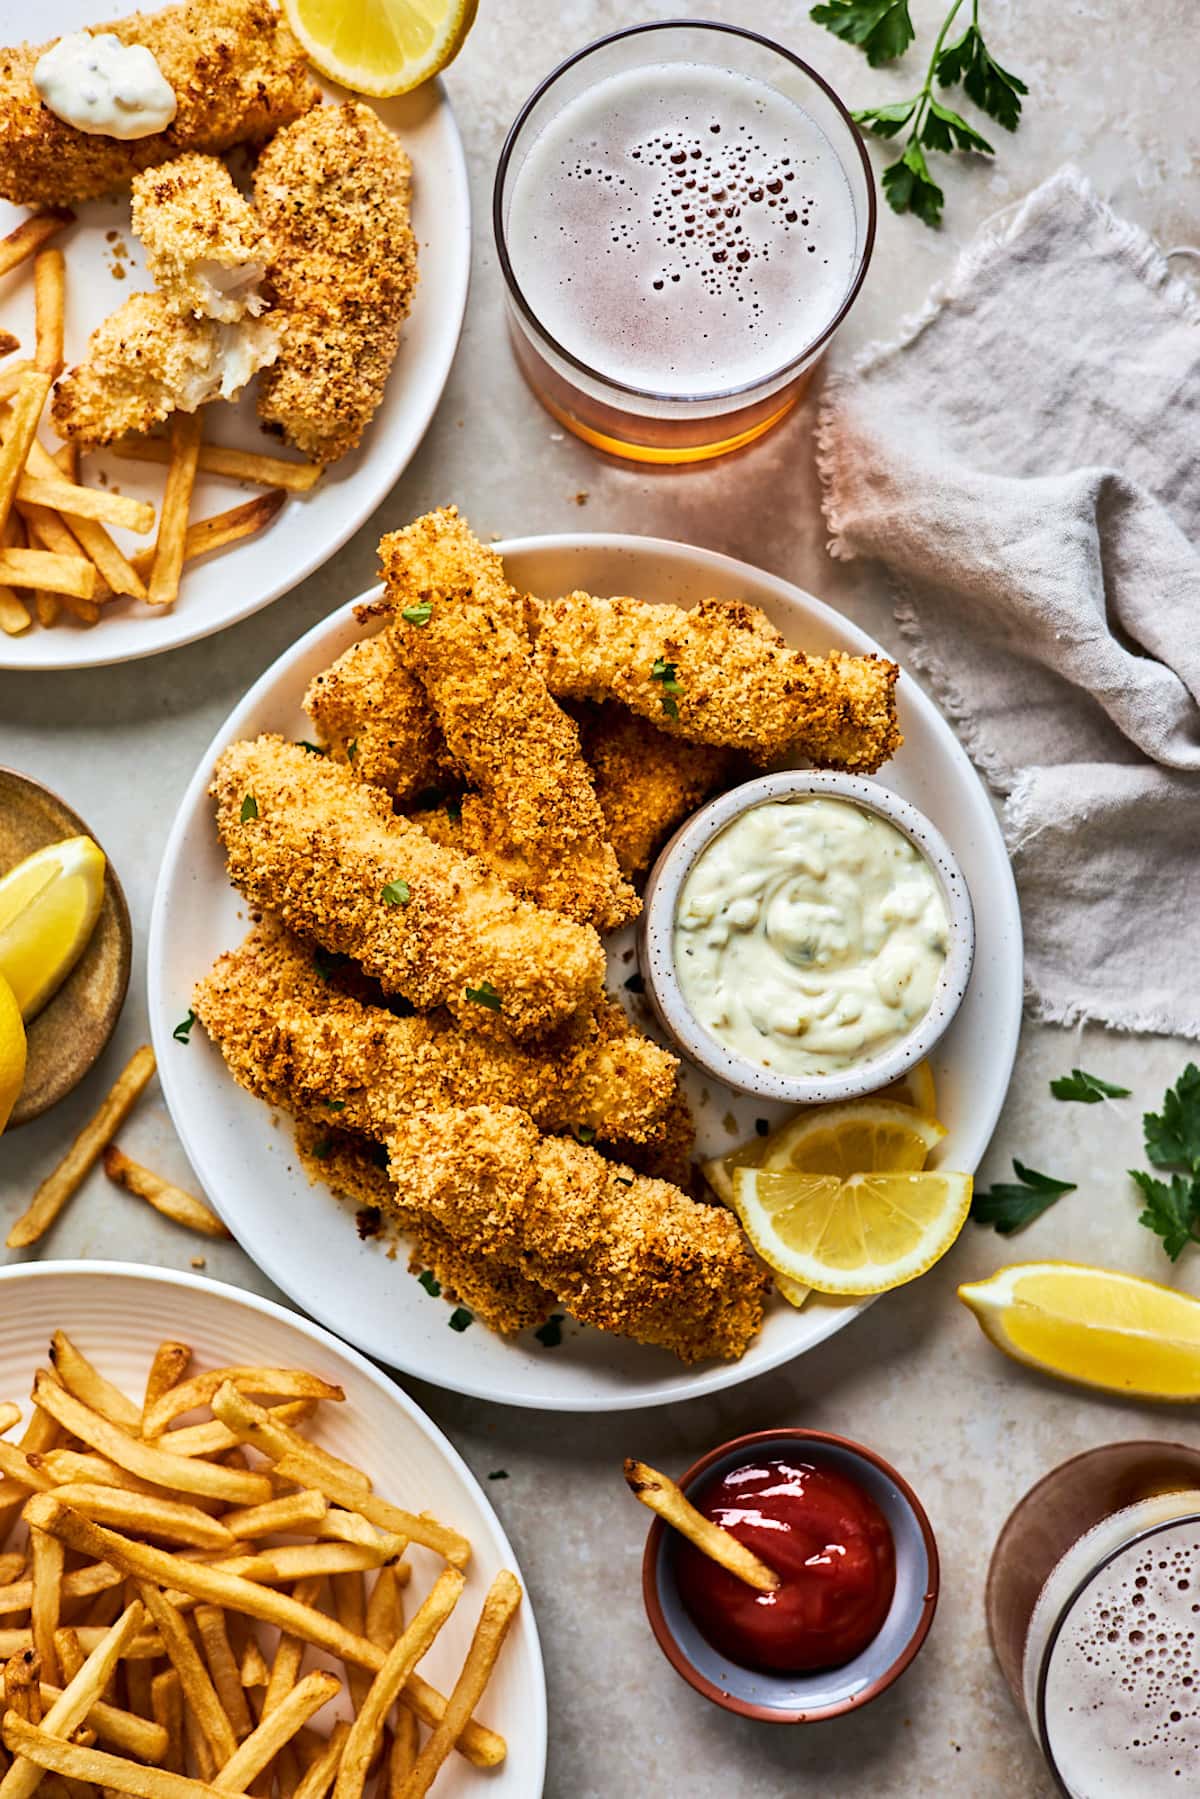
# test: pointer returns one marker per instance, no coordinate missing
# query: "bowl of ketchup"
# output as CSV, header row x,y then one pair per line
x,y
858,1578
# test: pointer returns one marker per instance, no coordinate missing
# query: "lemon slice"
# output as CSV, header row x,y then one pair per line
x,y
864,1136
381,47
1093,1326
915,1088
49,905
865,1234
791,1290
12,1051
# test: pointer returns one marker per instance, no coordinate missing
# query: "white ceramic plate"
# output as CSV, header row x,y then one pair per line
x,y
301,1237
220,589
118,1314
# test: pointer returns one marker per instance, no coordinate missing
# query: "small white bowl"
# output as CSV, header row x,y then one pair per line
x,y
656,951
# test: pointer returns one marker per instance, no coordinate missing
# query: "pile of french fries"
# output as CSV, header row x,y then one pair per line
x,y
56,552
144,1554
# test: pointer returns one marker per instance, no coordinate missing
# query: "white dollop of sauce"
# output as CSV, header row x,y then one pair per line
x,y
810,936
105,87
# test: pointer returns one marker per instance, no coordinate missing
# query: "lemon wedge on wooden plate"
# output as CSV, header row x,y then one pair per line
x,y
1094,1326
381,47
12,1051
49,905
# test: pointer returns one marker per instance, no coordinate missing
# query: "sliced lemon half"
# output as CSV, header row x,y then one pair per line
x,y
865,1234
12,1051
49,905
864,1136
916,1088
1094,1326
381,47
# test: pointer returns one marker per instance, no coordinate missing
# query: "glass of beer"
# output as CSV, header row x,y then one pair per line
x,y
684,214
1093,1606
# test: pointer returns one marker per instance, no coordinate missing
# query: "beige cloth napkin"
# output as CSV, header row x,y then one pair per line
x,y
1025,460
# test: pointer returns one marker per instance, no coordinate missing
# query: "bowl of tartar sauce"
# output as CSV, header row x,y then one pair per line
x,y
807,936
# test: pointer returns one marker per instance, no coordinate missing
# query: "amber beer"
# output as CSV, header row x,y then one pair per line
x,y
684,215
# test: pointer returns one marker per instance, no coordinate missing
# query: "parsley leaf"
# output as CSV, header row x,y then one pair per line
x,y
1173,1135
395,893
485,995
996,90
886,121
670,705
1009,1207
418,615
665,672
183,1029
623,1180
880,28
584,1133
314,749
1172,1208
946,130
249,808
334,1105
430,1282
352,749
460,1318
1088,1089
550,1333
498,1474
909,187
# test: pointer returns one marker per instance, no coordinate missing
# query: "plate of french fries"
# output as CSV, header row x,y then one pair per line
x,y
167,535
235,1558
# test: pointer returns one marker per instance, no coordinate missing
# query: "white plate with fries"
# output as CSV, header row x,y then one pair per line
x,y
274,538
105,1346
305,1240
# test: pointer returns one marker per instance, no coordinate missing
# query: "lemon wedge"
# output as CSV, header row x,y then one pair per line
x,y
381,47
864,1136
49,905
863,1234
792,1291
915,1088
12,1051
1094,1326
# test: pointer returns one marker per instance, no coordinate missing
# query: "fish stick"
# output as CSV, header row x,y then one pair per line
x,y
356,1169
646,781
718,674
328,854
458,628
205,250
621,1251
333,194
372,713
238,75
289,1034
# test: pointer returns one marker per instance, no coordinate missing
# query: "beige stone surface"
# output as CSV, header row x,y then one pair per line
x,y
1113,89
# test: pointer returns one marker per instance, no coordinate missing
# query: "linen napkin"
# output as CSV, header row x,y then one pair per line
x,y
1025,460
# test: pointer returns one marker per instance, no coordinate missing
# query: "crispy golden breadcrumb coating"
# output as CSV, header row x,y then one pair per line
x,y
333,193
291,1036
666,1150
536,809
147,361
646,782
306,840
238,75
733,680
355,1168
368,699
622,1252
205,250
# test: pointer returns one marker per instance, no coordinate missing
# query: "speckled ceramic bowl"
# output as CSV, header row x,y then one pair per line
x,y
826,1693
656,951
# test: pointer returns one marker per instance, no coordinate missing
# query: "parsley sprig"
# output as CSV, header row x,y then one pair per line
x,y
883,29
1087,1088
665,673
1009,1206
1172,1138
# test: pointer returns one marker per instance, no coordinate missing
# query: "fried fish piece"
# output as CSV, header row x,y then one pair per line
x,y
205,250
238,75
718,674
372,713
147,361
457,627
646,781
289,1034
333,193
325,852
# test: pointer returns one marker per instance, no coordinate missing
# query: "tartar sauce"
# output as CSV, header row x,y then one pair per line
x,y
105,87
810,936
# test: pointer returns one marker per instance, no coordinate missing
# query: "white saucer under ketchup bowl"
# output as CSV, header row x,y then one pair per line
x,y
784,1697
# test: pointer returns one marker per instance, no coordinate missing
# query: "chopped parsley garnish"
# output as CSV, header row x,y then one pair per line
x,y
430,1282
1172,1137
314,749
460,1318
1009,1207
498,1474
485,995
419,614
635,984
335,1105
352,749
249,808
665,672
1088,1089
550,1333
623,1180
323,1149
585,1133
395,893
183,1029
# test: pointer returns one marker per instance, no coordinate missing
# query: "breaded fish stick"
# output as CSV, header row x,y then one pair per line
x,y
356,1169
205,250
646,782
328,854
371,712
622,1252
333,194
720,674
238,75
290,1036
458,629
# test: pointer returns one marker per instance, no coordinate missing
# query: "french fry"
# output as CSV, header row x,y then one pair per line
x,y
15,1465
321,1773
15,615
96,1765
402,1756
29,236
85,1381
123,1730
268,1432
49,300
69,1651
82,1693
87,502
238,465
263,1743
201,1702
70,1467
294,1511
499,1610
301,1561
71,576
166,1198
46,1562
117,573
12,1566
186,430
8,343
340,1526
166,1700
384,1621
10,1414
253,1671
221,529
10,378
399,1663
200,1390
20,428
171,1360
350,1608
216,1439
198,1751
155,1517
147,1647
59,1187
662,1495
81,1583
218,1653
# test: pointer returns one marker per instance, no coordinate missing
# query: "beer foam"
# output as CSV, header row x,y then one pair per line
x,y
682,229
1123,1686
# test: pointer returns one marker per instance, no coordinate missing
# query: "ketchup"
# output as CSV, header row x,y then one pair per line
x,y
831,1547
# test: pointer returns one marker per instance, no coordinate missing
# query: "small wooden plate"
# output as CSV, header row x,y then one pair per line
x,y
69,1034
